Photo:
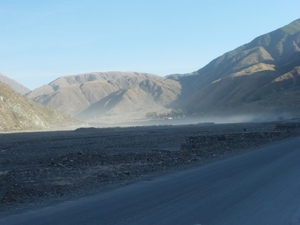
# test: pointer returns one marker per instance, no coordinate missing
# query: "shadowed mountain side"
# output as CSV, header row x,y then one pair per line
x,y
20,113
284,103
102,106
228,91
279,96
288,82
14,84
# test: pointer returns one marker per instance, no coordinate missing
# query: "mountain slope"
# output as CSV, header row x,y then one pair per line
x,y
14,84
92,95
20,113
254,72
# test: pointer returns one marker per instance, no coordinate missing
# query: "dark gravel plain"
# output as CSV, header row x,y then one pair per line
x,y
38,168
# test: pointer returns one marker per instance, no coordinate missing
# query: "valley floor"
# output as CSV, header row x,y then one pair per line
x,y
37,168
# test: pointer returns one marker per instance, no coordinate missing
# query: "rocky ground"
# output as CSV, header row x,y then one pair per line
x,y
39,167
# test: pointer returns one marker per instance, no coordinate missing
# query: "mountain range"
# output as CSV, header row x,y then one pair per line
x,y
119,96
260,77
14,84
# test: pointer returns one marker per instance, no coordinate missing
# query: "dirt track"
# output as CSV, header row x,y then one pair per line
x,y
44,166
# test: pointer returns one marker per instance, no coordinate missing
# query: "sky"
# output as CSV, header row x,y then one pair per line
x,y
43,40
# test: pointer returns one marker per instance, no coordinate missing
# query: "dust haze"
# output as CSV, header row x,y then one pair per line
x,y
118,121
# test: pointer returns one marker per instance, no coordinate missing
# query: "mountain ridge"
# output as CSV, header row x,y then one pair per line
x,y
14,84
79,95
263,60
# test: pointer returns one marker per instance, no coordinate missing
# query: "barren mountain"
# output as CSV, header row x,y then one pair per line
x,y
262,75
95,95
20,113
14,84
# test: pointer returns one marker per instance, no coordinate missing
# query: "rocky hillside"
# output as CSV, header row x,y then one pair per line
x,y
261,75
94,95
20,113
14,84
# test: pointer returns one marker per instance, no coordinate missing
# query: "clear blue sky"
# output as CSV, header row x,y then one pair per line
x,y
43,40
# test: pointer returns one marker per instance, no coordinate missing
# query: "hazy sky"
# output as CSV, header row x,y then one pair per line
x,y
43,40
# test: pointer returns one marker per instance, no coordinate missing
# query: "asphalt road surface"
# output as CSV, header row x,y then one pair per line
x,y
258,187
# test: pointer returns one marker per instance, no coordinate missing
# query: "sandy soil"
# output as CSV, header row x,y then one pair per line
x,y
41,167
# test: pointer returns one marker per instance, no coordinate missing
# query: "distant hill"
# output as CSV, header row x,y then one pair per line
x,y
20,113
261,76
114,94
14,84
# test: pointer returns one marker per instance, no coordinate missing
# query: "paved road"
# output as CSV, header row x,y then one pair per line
x,y
259,187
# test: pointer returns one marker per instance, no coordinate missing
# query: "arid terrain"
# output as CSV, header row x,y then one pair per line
x,y
41,167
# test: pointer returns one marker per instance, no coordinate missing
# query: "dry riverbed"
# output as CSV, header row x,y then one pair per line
x,y
40,167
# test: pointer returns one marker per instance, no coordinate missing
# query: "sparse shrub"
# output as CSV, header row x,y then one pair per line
x,y
175,113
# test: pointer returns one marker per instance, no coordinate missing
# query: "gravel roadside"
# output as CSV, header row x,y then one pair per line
x,y
37,168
